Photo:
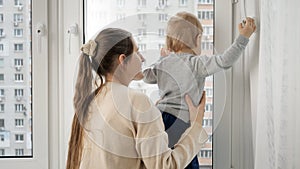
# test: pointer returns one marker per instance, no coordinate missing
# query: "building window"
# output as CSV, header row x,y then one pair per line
x,y
2,125
1,138
205,153
19,122
142,3
205,1
1,108
121,3
120,16
205,15
1,77
208,107
19,137
161,32
183,2
162,3
18,47
2,32
208,30
161,45
18,32
1,47
1,92
18,62
19,77
1,62
142,32
1,17
142,17
163,17
18,3
142,47
18,17
1,2
207,45
19,152
2,151
19,107
19,92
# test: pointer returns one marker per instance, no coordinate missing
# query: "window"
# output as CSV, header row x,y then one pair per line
x,y
1,17
162,3
163,17
207,45
156,16
160,45
1,3
1,62
121,3
205,1
142,3
206,153
1,92
183,2
205,15
121,16
1,108
19,137
19,92
18,3
2,125
161,32
1,77
18,32
142,46
208,30
18,17
2,151
19,152
18,62
142,32
2,138
208,107
19,77
142,17
18,47
19,108
2,34
19,122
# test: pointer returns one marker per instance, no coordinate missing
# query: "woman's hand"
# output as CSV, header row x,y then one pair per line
x,y
248,28
196,113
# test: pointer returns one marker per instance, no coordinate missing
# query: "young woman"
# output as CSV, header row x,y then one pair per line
x,y
115,126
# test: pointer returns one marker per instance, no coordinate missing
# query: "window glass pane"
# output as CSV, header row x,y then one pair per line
x,y
15,73
147,21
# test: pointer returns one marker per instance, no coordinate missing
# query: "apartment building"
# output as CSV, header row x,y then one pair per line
x,y
15,78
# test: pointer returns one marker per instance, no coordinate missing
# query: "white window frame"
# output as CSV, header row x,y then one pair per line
x,y
222,100
18,17
222,142
1,4
2,107
40,96
1,47
19,138
183,2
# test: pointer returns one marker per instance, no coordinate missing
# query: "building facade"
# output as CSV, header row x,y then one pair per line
x,y
15,78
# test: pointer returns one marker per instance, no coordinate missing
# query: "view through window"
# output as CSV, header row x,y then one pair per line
x,y
15,79
147,20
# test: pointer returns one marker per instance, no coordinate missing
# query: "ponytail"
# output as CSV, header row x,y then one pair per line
x,y
82,99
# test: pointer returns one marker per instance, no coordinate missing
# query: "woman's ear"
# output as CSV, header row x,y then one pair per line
x,y
121,58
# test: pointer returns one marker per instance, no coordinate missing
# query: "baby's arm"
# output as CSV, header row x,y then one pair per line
x,y
209,65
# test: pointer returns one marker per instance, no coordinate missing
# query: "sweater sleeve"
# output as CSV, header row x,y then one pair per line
x,y
150,75
207,66
152,140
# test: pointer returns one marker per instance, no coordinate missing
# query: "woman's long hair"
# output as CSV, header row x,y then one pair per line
x,y
111,43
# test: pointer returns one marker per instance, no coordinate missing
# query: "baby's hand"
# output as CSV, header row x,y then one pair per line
x,y
248,28
164,52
